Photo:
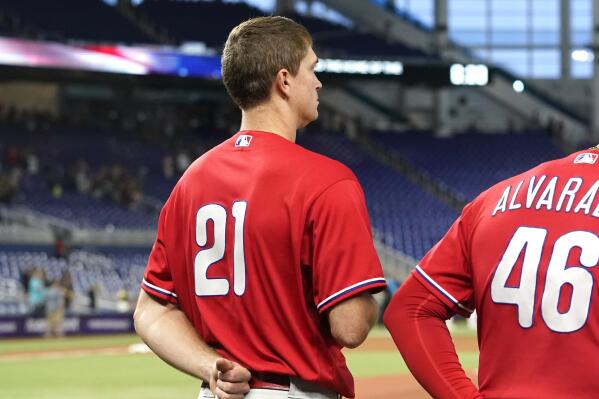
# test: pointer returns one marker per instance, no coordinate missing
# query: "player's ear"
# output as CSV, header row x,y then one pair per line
x,y
282,82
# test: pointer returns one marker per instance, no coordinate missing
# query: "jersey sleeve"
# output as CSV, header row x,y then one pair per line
x,y
416,320
344,260
158,280
445,270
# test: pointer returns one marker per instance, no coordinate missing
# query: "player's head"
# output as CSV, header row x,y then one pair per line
x,y
269,56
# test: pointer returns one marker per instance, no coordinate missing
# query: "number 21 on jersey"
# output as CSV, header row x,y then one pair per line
x,y
205,258
532,240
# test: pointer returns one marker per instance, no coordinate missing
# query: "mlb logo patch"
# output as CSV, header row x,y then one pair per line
x,y
243,141
586,157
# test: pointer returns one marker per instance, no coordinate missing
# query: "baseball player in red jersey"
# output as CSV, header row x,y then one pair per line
x,y
524,255
263,264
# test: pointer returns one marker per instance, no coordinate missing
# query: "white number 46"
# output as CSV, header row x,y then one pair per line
x,y
558,274
205,258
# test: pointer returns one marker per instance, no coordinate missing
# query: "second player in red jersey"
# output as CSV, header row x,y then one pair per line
x,y
524,255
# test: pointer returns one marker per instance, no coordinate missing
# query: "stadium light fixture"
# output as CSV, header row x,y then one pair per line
x,y
582,55
518,86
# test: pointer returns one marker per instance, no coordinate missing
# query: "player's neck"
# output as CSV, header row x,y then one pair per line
x,y
266,118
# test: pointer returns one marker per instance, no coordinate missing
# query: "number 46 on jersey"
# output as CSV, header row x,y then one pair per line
x,y
559,273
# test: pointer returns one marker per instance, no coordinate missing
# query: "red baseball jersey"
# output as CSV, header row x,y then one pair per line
x,y
259,238
524,255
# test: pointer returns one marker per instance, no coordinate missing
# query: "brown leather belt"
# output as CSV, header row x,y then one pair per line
x,y
262,380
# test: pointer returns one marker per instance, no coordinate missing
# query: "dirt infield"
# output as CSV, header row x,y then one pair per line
x,y
393,387
401,385
64,353
467,344
389,387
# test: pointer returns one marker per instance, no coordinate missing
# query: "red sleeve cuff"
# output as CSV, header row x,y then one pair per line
x,y
158,292
373,285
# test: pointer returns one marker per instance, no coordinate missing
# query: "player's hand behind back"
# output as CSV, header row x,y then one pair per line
x,y
229,380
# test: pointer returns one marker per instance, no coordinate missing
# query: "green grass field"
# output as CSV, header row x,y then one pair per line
x,y
130,376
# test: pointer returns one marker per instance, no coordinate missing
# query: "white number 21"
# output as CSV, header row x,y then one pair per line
x,y
205,258
559,273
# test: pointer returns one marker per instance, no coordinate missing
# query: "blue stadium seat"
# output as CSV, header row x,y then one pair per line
x,y
403,215
109,270
468,164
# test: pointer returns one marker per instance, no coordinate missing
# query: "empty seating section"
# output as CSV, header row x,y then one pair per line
x,y
470,163
403,215
337,40
90,20
210,22
85,212
7,24
107,271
